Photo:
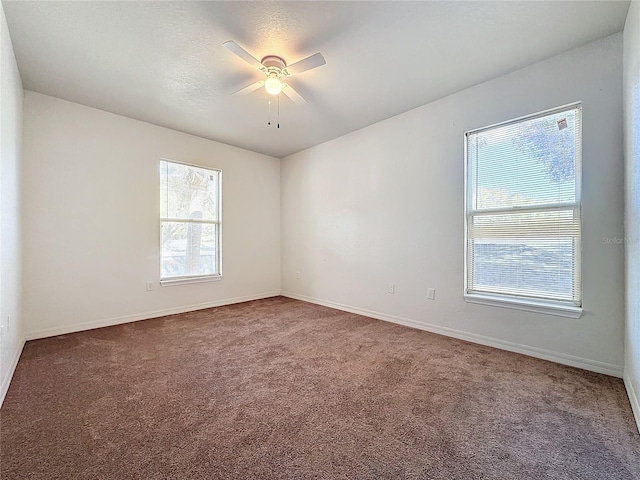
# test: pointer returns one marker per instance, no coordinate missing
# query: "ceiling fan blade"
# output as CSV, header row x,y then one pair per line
x,y
249,88
305,64
293,95
243,54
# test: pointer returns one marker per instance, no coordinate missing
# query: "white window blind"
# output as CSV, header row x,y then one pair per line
x,y
523,209
190,221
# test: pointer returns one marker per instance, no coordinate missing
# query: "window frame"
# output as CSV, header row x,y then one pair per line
x,y
188,279
546,306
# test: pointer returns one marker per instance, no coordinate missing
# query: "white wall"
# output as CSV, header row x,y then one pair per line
x,y
91,228
385,204
11,94
631,87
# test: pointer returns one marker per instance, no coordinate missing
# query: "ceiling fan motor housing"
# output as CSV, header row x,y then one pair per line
x,y
272,61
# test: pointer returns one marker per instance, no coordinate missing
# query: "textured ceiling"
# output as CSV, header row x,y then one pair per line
x,y
164,63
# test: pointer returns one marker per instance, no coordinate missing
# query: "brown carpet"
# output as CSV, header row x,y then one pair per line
x,y
279,389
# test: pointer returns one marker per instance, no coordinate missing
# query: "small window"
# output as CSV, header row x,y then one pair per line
x,y
190,223
523,212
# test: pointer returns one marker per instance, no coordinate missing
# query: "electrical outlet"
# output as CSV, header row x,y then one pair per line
x,y
297,275
431,293
391,288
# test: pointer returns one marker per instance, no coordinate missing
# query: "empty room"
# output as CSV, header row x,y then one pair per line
x,y
320,240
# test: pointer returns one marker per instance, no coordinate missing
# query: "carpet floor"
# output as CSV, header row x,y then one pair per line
x,y
283,389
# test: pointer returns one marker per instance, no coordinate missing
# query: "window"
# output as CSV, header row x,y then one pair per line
x,y
190,223
523,213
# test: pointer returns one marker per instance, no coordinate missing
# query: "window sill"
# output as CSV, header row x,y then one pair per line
x,y
526,305
170,282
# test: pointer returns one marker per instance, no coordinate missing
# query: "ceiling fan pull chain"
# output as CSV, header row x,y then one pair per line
x,y
278,111
269,122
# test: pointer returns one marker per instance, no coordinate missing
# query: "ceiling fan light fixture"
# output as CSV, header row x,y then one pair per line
x,y
275,68
273,85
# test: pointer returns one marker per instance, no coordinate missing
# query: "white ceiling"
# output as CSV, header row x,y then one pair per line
x,y
164,63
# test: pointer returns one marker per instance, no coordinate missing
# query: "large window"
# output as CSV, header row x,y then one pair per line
x,y
190,223
523,212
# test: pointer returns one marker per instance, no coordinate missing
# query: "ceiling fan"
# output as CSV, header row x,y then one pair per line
x,y
276,69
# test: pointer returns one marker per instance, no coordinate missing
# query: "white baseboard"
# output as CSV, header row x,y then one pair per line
x,y
562,358
108,322
633,399
6,381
